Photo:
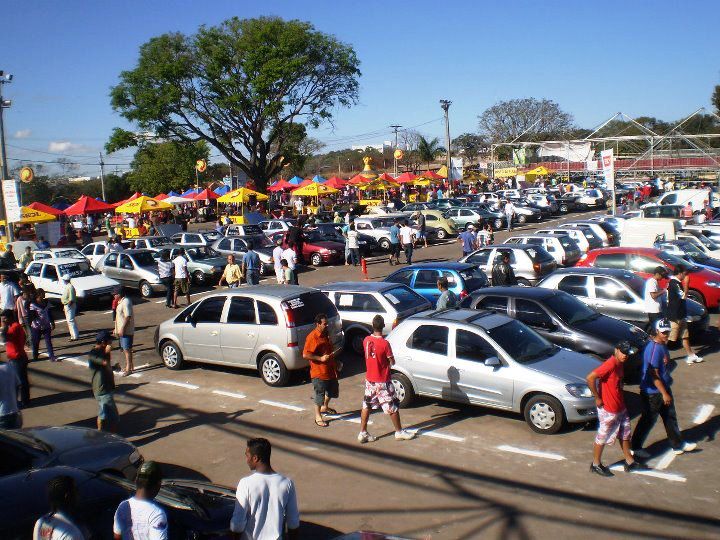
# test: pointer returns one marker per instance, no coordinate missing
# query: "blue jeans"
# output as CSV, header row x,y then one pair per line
x,y
252,276
408,253
168,282
355,256
21,366
36,334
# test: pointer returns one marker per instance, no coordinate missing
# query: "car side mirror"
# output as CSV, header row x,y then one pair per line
x,y
493,361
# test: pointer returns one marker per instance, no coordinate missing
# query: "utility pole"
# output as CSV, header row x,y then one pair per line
x,y
4,79
395,128
445,104
102,177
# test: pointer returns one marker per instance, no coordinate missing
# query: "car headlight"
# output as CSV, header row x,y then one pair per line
x,y
217,269
135,458
713,284
579,390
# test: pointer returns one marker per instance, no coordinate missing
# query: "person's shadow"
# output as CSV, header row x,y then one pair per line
x,y
453,391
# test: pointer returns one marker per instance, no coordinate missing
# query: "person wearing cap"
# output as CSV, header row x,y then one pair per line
x,y
125,327
60,523
655,296
677,312
468,240
266,501
69,303
140,517
103,382
656,395
606,384
502,273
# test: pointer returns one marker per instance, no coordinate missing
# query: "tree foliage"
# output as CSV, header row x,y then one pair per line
x,y
429,150
470,145
716,99
542,119
237,86
166,166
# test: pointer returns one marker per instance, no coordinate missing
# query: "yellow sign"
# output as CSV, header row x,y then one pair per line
x,y
505,172
26,174
398,154
201,165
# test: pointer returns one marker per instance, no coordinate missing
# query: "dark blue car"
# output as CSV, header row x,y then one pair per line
x,y
463,278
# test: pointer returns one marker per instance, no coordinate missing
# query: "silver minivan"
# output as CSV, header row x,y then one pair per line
x,y
494,361
262,327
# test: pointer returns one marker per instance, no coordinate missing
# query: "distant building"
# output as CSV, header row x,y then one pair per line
x,y
378,147
79,179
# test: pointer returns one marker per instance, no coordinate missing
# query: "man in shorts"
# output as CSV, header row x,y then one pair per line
x,y
606,384
379,389
318,351
677,312
125,328
103,382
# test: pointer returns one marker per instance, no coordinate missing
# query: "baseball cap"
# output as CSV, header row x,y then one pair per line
x,y
662,325
150,472
626,348
102,336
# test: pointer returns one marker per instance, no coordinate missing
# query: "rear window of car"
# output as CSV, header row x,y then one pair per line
x,y
402,298
539,255
303,308
567,243
251,229
474,278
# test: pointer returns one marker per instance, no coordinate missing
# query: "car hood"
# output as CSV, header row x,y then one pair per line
x,y
86,283
215,261
568,366
611,329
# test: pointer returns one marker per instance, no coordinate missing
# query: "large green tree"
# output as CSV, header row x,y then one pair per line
x,y
166,166
237,86
534,119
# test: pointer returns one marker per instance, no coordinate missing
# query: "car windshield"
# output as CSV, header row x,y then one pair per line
x,y
692,250
78,269
201,253
70,254
705,241
144,258
403,298
676,261
567,243
261,241
159,241
570,309
314,236
521,343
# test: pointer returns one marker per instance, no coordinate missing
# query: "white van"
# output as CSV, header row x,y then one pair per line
x,y
642,232
696,198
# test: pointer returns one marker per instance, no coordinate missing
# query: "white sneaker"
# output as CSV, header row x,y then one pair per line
x,y
642,454
686,447
365,437
697,359
404,435
693,359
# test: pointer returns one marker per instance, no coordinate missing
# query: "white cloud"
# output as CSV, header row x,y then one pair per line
x,y
22,134
64,146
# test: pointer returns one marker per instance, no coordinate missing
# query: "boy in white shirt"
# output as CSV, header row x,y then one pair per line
x,y
140,517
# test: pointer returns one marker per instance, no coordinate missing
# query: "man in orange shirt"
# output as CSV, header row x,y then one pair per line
x,y
323,368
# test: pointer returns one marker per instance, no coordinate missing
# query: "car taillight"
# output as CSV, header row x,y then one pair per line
x,y
463,294
536,267
292,344
289,316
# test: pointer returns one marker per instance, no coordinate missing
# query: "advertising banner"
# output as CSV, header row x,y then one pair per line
x,y
13,212
608,165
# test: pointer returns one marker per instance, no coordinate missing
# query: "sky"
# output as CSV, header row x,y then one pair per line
x,y
644,58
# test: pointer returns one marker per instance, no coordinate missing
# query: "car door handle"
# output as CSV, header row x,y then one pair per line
x,y
251,334
214,333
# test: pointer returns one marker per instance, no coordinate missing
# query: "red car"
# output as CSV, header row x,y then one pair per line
x,y
704,284
315,249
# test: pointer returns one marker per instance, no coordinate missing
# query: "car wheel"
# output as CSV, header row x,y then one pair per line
x,y
384,244
199,277
273,370
355,340
441,234
145,289
697,296
563,208
171,355
403,389
544,414
522,219
498,223
316,259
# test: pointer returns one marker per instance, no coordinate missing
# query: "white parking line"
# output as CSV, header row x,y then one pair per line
x,y
437,435
107,312
666,460
75,361
180,384
229,394
533,453
655,474
346,417
717,389
703,413
281,405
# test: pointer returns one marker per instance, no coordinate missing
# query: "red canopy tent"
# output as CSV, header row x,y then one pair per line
x,y
405,177
304,183
336,183
281,184
358,179
45,208
88,205
206,195
386,176
161,197
432,175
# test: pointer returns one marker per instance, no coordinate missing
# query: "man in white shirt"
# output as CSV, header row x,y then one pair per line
x,y
131,222
509,213
654,296
140,517
291,257
299,206
182,278
265,501
59,523
8,293
407,241
277,257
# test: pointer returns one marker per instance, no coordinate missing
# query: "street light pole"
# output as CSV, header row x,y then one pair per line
x,y
102,177
4,79
445,104
395,127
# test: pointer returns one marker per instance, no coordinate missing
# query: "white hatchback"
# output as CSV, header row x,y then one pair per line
x,y
47,274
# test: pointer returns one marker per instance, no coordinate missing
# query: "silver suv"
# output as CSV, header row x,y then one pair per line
x,y
494,361
529,262
263,327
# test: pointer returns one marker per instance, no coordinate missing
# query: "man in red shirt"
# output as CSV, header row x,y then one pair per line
x,y
318,351
606,384
379,390
14,336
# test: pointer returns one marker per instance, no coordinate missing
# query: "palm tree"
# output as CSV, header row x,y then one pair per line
x,y
429,150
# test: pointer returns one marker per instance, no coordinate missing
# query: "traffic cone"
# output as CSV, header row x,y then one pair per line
x,y
363,268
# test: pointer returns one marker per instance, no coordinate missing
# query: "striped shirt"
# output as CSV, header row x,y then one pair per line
x,y
165,269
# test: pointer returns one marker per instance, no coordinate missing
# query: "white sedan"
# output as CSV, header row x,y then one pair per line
x,y
47,274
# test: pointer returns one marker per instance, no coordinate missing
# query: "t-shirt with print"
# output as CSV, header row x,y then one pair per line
x,y
654,358
377,359
180,264
610,374
139,519
318,344
57,526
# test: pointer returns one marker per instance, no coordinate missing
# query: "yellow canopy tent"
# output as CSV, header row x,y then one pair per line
x,y
538,171
30,215
314,190
442,171
142,204
242,195
378,185
424,182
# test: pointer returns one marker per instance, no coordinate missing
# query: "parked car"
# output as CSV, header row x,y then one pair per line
x,y
358,302
377,227
590,199
672,211
238,246
315,249
422,278
154,243
415,206
564,320
58,253
524,212
616,293
688,252
443,204
708,230
595,241
89,285
475,214
194,509
700,241
575,234
205,265
271,226
562,248
333,232
704,283
604,229
196,238
494,361
262,328
89,449
96,251
133,268
529,262
242,230
616,222
444,227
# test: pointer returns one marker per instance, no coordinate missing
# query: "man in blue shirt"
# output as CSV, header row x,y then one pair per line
x,y
251,265
468,240
656,396
395,243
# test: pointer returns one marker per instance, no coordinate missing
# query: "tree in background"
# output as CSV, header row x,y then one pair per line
x,y
716,99
469,145
429,150
237,86
542,119
166,166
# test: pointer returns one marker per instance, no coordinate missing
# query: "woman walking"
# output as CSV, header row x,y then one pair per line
x,y
41,325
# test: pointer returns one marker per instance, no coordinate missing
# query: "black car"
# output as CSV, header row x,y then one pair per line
x,y
195,510
333,231
564,320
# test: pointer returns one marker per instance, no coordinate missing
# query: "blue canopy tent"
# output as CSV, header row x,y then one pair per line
x,y
319,179
61,205
222,190
173,194
295,180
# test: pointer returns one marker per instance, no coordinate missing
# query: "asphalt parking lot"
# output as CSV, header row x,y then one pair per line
x,y
470,473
